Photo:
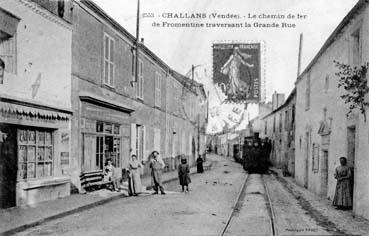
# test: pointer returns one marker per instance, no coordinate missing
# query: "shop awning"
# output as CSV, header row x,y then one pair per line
x,y
27,110
97,100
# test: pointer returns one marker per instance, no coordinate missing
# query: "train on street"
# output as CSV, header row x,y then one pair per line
x,y
253,154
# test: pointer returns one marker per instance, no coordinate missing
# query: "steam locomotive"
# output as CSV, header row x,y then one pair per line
x,y
255,154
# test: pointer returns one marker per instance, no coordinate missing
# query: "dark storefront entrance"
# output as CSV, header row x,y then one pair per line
x,y
8,166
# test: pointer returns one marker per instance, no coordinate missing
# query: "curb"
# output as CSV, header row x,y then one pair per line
x,y
75,210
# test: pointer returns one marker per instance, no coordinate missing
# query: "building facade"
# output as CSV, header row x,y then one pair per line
x,y
324,132
279,127
116,115
35,101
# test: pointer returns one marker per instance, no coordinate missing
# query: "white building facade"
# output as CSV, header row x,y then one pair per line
x,y
35,104
323,131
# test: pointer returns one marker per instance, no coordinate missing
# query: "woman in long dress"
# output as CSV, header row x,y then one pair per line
x,y
342,197
200,168
134,167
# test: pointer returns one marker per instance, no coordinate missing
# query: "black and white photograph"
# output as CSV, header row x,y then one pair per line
x,y
184,118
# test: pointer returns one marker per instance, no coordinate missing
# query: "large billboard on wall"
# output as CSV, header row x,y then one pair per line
x,y
237,71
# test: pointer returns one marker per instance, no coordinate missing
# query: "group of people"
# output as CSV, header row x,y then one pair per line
x,y
156,164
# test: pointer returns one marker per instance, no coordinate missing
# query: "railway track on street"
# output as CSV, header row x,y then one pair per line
x,y
252,212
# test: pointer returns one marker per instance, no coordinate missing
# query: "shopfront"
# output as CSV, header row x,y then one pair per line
x,y
34,153
105,133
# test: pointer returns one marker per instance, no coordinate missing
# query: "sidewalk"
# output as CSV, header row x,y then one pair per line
x,y
322,210
16,219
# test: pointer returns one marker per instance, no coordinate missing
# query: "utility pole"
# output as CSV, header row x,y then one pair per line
x,y
299,56
137,40
198,134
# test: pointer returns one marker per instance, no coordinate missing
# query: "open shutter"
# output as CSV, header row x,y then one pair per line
x,y
145,152
133,139
89,152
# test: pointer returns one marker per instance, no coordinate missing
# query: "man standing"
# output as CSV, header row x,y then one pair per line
x,y
156,164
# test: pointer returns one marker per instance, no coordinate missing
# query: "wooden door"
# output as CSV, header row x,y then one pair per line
x,y
324,174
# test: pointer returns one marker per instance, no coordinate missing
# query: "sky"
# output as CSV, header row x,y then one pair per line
x,y
182,47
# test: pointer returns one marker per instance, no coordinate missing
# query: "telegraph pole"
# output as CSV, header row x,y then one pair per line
x,y
299,56
137,40
198,134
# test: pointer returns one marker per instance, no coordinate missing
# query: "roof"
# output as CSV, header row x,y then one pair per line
x,y
360,4
179,77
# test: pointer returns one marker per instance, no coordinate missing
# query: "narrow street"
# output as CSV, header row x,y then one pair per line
x,y
222,201
202,211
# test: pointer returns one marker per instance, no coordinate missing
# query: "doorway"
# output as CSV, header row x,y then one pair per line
x,y
324,173
351,149
8,166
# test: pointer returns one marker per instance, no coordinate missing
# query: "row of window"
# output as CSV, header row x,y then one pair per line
x,y
8,56
289,120
356,59
109,68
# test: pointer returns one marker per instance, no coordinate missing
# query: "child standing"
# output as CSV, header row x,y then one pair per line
x,y
116,178
183,174
108,170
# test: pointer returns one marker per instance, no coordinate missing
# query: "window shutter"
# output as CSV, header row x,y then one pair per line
x,y
144,151
133,139
89,152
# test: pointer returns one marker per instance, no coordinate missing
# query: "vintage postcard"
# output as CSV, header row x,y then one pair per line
x,y
167,117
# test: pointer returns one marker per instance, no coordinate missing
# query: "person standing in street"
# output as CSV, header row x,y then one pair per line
x,y
157,164
134,170
200,161
342,196
184,174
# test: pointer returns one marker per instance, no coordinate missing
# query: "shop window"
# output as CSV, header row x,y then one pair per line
x,y
99,127
35,154
108,144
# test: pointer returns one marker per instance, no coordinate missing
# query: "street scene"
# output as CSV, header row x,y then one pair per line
x,y
155,117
